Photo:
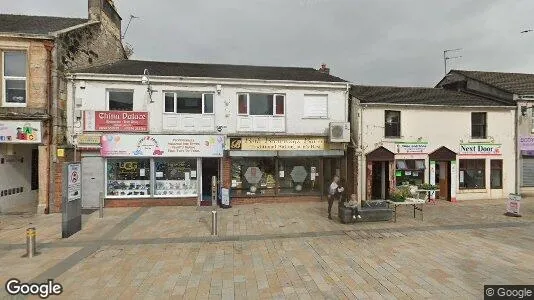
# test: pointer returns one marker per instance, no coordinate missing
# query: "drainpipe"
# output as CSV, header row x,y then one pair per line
x,y
53,144
73,115
363,166
517,150
49,49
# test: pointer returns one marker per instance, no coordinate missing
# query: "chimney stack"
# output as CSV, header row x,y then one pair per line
x,y
105,9
324,69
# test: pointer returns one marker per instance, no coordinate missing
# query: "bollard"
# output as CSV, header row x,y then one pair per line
x,y
213,222
30,242
101,205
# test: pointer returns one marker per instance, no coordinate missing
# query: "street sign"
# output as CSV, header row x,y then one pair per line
x,y
71,208
75,182
512,206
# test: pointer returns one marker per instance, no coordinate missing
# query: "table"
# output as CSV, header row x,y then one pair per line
x,y
427,195
409,201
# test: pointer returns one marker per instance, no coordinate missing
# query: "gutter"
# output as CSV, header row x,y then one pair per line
x,y
49,50
26,36
450,107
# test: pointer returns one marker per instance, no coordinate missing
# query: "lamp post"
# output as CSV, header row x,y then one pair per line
x,y
446,58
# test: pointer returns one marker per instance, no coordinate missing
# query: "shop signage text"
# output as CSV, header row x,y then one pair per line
x,y
88,139
526,143
480,149
409,147
162,145
277,143
121,121
23,131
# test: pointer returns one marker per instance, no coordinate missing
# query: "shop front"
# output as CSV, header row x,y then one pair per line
x,y
19,165
159,169
443,172
527,161
263,169
380,169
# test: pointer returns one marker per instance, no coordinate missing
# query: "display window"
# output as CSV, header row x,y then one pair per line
x,y
410,172
128,177
175,178
253,176
472,174
298,175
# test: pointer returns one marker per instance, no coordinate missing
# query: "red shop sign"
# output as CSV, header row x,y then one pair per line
x,y
123,121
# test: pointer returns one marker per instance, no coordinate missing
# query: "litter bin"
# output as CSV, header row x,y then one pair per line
x,y
224,198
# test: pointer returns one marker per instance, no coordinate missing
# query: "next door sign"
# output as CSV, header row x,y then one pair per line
x,y
480,149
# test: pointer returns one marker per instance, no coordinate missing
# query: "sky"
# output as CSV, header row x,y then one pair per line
x,y
370,42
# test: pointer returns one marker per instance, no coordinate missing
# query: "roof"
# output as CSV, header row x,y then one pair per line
x,y
36,24
156,68
420,96
515,83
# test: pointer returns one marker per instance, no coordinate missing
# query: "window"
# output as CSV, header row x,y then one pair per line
x,y
472,174
478,125
176,177
410,172
128,177
261,104
392,124
120,100
496,174
315,106
14,78
253,176
298,175
185,102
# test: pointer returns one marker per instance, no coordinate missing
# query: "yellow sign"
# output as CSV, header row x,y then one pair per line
x,y
278,143
89,139
60,152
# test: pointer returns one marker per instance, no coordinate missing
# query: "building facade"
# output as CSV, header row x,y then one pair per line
x,y
462,143
157,133
516,89
35,52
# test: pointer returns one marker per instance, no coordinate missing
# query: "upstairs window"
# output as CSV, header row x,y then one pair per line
x,y
120,100
185,102
14,78
478,125
316,106
261,104
392,124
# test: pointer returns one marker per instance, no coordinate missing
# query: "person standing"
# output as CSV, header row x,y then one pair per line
x,y
333,193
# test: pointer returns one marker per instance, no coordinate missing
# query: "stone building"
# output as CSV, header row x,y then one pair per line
x,y
35,54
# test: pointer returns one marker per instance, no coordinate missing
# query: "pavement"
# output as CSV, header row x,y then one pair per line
x,y
275,251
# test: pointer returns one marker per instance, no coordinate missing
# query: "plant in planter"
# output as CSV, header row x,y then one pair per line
x,y
427,186
400,194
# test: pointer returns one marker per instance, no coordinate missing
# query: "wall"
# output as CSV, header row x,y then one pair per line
x,y
444,127
16,173
94,98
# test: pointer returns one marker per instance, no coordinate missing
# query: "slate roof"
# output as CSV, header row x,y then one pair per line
x,y
156,68
516,83
420,96
36,24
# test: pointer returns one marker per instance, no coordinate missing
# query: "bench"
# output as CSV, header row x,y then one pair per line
x,y
371,211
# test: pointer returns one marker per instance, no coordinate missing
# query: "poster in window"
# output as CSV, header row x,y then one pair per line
x,y
461,176
193,174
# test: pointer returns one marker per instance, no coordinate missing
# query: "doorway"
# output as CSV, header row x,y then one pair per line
x,y
443,180
210,168
331,168
380,180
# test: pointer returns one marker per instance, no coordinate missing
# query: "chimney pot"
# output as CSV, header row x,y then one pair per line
x,y
324,69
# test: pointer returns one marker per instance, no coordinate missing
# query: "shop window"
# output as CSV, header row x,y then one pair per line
x,y
185,102
14,78
316,106
472,174
261,104
410,172
298,175
392,124
478,125
253,176
496,174
128,177
120,100
176,177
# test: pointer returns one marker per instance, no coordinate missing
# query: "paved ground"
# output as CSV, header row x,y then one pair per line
x,y
282,251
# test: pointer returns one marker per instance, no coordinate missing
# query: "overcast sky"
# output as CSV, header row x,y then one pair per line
x,y
378,42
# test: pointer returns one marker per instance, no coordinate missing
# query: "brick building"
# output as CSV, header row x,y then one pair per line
x,y
35,54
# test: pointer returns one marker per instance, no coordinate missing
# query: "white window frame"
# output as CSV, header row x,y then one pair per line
x,y
316,117
119,90
175,94
5,78
274,104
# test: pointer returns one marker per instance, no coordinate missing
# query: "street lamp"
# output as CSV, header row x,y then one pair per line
x,y
446,58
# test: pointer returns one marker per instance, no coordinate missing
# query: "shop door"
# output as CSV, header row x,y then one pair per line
x,y
92,181
380,180
210,168
527,174
444,180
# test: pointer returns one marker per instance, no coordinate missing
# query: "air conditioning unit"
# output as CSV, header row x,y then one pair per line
x,y
339,132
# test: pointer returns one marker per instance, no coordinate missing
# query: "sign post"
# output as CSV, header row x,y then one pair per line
x,y
512,206
71,199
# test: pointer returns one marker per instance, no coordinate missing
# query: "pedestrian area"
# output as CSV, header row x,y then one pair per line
x,y
275,251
